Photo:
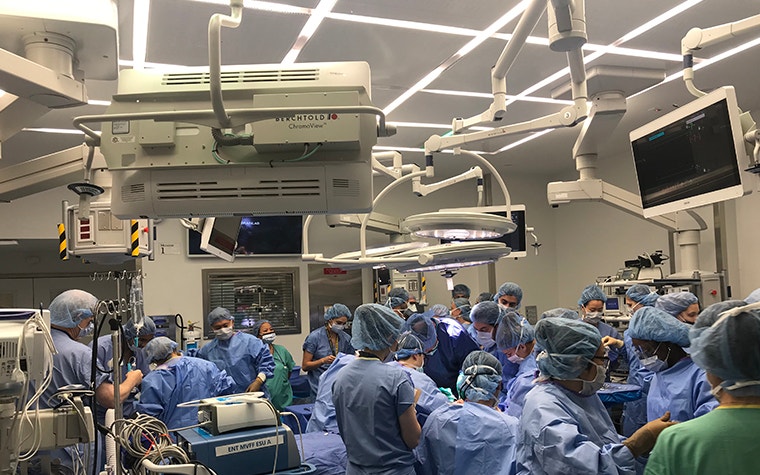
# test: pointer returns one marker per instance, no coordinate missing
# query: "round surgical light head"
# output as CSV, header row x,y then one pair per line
x,y
88,189
454,255
455,225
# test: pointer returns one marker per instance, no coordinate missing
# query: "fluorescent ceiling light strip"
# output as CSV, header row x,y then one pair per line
x,y
95,102
517,143
315,19
141,17
128,63
264,6
47,130
405,24
484,95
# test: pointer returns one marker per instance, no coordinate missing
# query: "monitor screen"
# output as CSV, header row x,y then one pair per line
x,y
515,240
265,235
612,303
690,157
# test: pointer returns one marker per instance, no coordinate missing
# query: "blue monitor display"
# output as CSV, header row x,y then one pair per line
x,y
264,235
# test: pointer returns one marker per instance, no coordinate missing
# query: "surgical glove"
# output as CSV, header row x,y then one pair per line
x,y
449,395
642,441
610,341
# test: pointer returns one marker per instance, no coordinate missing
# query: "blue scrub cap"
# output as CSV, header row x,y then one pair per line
x,y
641,293
375,327
219,313
710,315
509,288
159,349
487,313
460,290
423,327
728,348
399,292
148,328
569,346
480,377
337,310
513,331
561,313
484,297
463,305
676,302
591,292
408,346
649,323
256,328
439,310
71,307
753,297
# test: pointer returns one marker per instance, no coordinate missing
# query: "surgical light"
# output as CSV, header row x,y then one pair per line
x,y
453,255
458,226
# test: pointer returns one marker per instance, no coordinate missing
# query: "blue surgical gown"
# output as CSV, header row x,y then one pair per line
x,y
104,374
635,412
467,439
243,357
318,344
323,415
454,344
683,390
565,433
179,380
612,353
431,398
369,397
508,369
519,387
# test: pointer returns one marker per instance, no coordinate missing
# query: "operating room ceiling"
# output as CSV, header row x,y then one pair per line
x,y
405,40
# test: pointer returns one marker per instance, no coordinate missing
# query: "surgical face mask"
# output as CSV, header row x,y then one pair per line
x,y
485,340
591,387
592,317
515,359
421,369
224,333
715,391
337,327
269,337
653,364
87,331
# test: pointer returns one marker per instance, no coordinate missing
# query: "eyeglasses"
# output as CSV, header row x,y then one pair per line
x,y
643,353
605,361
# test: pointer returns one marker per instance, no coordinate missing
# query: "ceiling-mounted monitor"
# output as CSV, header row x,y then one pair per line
x,y
254,236
690,157
219,237
515,240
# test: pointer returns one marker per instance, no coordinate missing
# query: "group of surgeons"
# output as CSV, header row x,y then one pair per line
x,y
459,389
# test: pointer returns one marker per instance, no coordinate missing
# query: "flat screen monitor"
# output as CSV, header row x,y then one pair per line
x,y
515,240
254,236
690,157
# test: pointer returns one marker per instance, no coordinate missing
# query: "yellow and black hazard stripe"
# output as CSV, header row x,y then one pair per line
x,y
423,289
62,253
135,238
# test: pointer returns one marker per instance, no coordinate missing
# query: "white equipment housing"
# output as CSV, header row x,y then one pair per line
x,y
167,169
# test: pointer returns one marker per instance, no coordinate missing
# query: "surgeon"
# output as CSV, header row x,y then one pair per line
x,y
244,357
460,311
565,428
410,356
280,391
71,319
724,344
460,291
516,339
439,310
678,385
374,402
322,345
398,301
323,417
682,305
446,345
486,317
591,304
178,379
566,313
484,297
509,296
473,438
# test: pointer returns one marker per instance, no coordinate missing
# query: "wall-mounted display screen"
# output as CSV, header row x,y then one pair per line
x,y
265,235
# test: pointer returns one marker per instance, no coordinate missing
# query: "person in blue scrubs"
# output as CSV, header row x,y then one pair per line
x,y
323,414
486,317
591,304
565,428
398,301
473,438
460,311
71,318
322,345
678,385
460,291
374,402
410,357
244,357
516,339
178,379
446,345
682,305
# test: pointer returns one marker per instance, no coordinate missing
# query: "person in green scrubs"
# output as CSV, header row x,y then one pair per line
x,y
281,394
724,344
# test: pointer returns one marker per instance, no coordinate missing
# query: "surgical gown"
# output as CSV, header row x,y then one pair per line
x,y
369,397
319,345
454,344
180,380
279,386
635,412
104,374
683,390
323,415
431,398
243,357
468,439
565,433
519,387
508,369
